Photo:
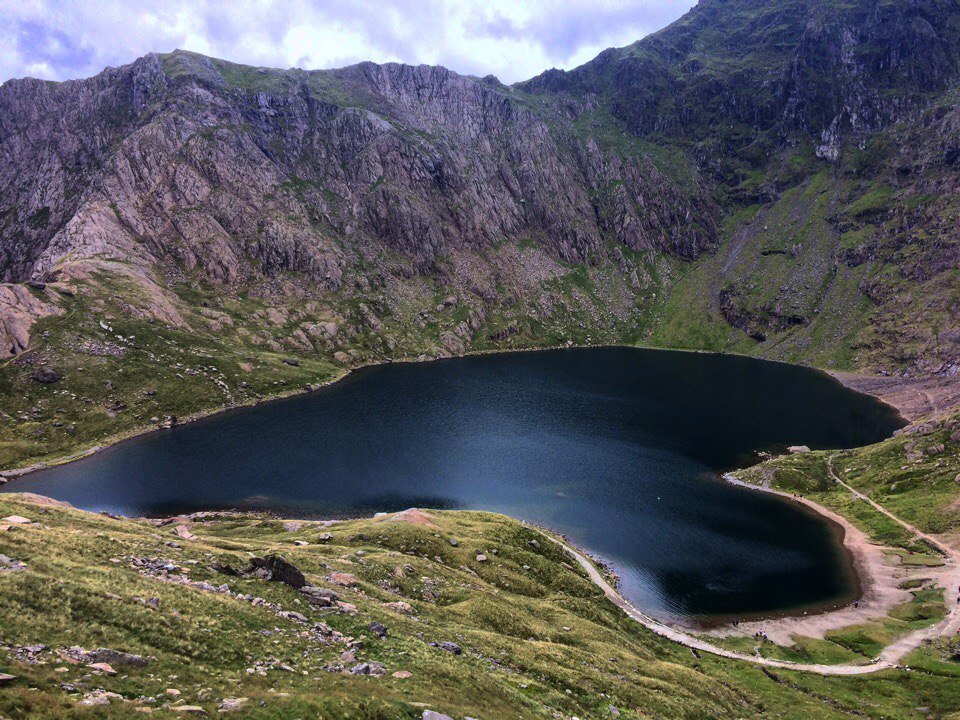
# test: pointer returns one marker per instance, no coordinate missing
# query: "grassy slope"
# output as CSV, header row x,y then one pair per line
x,y
863,251
855,643
779,258
913,475
539,641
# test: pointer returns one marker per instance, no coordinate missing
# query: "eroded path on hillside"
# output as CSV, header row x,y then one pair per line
x,y
890,657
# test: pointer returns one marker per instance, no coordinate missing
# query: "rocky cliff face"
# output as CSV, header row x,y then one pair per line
x,y
376,193
186,160
742,77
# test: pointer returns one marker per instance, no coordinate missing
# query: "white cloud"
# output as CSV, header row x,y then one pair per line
x,y
60,39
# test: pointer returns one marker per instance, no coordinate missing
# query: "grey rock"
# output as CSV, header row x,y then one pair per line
x,y
275,568
117,658
369,668
378,629
45,376
321,597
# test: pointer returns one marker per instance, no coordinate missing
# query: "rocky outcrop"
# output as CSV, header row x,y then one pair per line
x,y
740,77
857,72
20,307
200,164
757,323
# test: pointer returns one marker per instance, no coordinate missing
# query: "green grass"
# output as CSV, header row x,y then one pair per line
x,y
921,491
151,369
538,639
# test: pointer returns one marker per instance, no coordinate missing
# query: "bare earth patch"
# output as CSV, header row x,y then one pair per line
x,y
414,516
913,397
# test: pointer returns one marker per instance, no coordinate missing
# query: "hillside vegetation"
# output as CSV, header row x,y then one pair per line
x,y
486,615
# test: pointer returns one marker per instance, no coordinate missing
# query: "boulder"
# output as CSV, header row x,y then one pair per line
x,y
402,674
99,697
401,607
116,657
231,704
183,532
795,449
343,579
369,668
103,667
378,629
16,520
45,376
321,597
276,569
434,715
450,647
10,565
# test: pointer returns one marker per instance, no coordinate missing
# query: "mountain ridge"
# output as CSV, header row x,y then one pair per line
x,y
733,182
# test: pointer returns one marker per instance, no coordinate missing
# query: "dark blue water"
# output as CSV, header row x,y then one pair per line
x,y
616,447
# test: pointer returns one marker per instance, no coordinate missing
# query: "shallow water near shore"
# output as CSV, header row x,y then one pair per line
x,y
618,448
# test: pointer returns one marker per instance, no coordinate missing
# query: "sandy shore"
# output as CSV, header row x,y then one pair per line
x,y
881,575
879,572
890,657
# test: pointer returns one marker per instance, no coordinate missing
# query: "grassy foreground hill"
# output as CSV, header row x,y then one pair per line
x,y
464,613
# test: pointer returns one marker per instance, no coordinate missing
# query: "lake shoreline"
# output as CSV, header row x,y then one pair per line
x,y
874,386
354,372
878,582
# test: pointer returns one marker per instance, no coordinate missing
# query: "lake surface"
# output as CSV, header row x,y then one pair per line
x,y
618,448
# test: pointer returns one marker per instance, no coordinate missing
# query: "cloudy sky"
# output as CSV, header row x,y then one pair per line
x,y
61,39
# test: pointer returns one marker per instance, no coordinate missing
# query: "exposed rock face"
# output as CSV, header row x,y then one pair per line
x,y
19,309
276,569
375,190
774,68
845,66
185,160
